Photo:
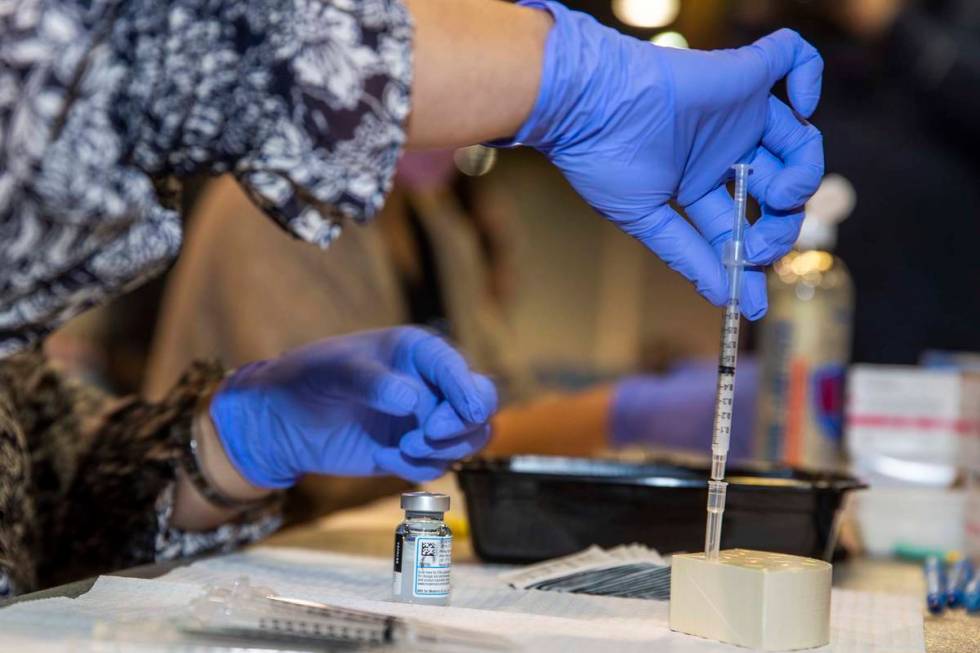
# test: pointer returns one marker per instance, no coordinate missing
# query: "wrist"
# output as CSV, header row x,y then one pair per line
x,y
577,51
208,492
236,412
533,130
215,464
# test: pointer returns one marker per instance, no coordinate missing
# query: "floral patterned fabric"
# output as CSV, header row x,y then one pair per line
x,y
104,101
103,104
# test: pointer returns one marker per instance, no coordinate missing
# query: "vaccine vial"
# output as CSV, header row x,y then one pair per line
x,y
423,550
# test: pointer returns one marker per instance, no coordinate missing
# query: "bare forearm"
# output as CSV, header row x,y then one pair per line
x,y
192,511
477,70
568,425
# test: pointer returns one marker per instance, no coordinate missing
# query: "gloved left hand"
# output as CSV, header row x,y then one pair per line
x,y
399,401
633,125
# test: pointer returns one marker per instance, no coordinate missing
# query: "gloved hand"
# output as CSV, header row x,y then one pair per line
x,y
633,125
676,410
399,401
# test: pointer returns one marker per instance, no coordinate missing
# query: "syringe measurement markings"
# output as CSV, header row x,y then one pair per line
x,y
725,400
728,356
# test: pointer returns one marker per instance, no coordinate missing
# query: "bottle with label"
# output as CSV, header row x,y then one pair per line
x,y
423,550
806,339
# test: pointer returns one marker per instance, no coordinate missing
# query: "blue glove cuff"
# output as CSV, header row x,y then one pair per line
x,y
528,133
579,55
233,424
563,66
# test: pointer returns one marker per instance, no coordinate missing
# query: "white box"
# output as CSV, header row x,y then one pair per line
x,y
763,600
912,424
924,518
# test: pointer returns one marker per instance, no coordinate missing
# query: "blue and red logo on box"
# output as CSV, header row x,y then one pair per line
x,y
827,386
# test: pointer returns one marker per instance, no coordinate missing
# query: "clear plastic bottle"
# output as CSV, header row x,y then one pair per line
x,y
423,550
805,341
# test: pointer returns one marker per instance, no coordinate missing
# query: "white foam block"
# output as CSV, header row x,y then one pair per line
x,y
758,599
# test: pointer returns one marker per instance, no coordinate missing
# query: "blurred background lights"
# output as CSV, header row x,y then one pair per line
x,y
669,40
646,13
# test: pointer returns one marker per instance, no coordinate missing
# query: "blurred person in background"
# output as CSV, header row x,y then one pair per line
x,y
107,107
426,259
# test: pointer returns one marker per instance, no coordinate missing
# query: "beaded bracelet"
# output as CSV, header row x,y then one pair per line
x,y
192,466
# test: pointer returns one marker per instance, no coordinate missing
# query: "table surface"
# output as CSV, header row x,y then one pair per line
x,y
368,531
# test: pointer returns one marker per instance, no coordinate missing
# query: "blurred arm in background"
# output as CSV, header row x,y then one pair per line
x,y
670,411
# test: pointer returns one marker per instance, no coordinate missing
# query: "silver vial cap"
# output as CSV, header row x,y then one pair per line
x,y
425,502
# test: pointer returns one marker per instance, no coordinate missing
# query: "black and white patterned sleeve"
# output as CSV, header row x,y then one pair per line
x,y
302,100
104,102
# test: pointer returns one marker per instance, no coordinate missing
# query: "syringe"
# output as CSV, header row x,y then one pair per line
x,y
725,401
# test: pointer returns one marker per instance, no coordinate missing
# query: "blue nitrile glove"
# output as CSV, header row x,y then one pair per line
x,y
399,401
676,410
633,126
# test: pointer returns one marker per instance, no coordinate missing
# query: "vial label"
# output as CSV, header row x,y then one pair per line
x,y
433,562
396,587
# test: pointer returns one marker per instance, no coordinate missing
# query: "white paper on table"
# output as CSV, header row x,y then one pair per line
x,y
538,621
63,624
871,621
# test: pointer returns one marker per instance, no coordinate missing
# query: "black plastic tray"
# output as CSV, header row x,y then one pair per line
x,y
530,508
